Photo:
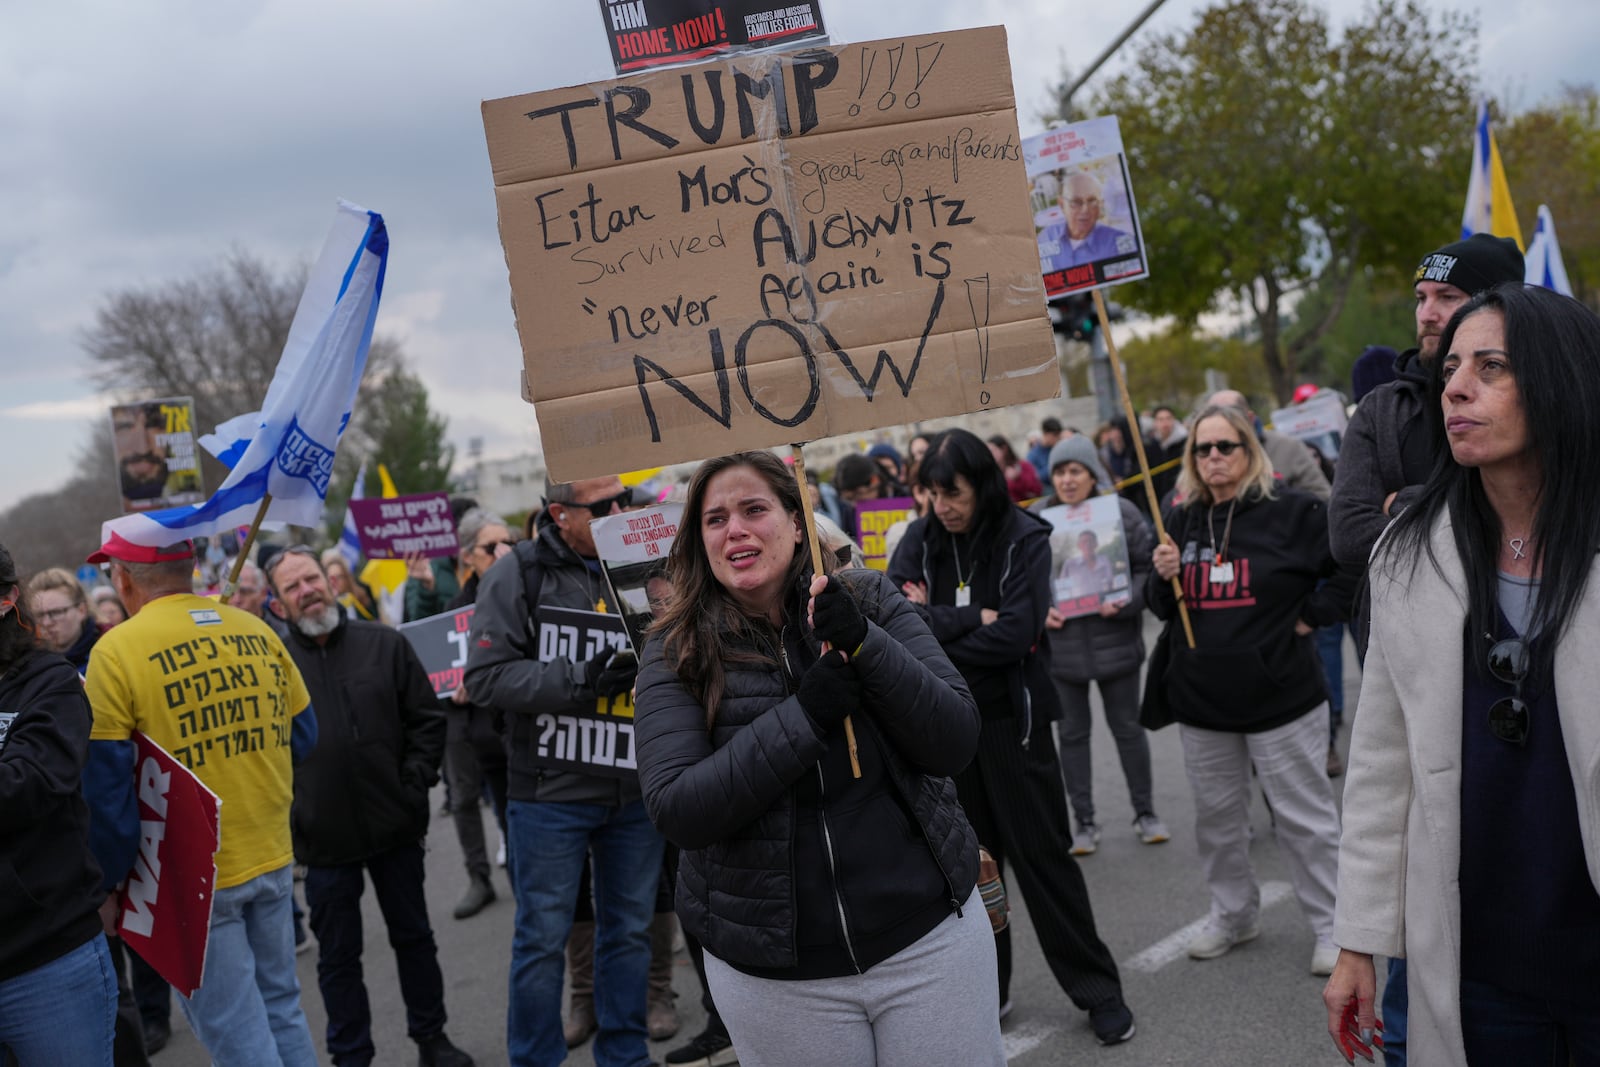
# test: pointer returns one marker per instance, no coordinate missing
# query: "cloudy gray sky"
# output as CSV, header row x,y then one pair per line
x,y
142,142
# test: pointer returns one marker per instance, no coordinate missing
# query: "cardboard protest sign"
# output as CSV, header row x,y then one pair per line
x,y
1083,210
440,642
653,33
770,248
633,550
166,903
1089,556
157,463
597,742
401,526
873,519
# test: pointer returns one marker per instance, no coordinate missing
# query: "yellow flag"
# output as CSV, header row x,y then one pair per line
x,y
385,574
1488,207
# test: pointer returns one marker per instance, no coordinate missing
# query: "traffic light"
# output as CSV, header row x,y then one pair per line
x,y
1073,314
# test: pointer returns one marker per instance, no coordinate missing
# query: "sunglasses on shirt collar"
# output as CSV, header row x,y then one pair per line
x,y
1509,720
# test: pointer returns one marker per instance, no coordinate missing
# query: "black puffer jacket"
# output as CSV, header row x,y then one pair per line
x,y
730,797
49,881
1092,647
380,737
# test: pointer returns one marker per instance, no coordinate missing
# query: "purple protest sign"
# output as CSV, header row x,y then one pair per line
x,y
401,526
873,520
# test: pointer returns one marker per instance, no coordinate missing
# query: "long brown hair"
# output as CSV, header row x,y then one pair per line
x,y
702,628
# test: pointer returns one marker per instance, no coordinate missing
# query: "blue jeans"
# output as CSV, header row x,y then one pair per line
x,y
547,845
64,1011
1330,646
1500,1026
247,1009
1393,1015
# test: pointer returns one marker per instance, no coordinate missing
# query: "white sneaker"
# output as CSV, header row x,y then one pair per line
x,y
1086,840
1323,957
1215,940
1151,830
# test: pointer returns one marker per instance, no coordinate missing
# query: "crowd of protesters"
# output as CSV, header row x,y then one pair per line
x,y
826,761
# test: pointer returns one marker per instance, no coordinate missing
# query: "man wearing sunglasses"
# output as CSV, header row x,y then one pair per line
x,y
559,813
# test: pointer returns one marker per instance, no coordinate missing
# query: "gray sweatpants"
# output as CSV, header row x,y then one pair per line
x,y
934,1002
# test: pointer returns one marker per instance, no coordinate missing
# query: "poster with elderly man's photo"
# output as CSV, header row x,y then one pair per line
x,y
1083,210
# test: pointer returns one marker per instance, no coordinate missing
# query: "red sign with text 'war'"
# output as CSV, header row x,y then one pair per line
x,y
166,904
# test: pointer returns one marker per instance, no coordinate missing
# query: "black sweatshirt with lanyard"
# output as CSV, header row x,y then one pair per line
x,y
1006,663
1250,570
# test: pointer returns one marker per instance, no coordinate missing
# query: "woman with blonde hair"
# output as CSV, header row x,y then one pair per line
x,y
1251,556
353,595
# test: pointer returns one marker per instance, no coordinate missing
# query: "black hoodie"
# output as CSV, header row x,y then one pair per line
x,y
49,882
1006,663
1386,449
1249,671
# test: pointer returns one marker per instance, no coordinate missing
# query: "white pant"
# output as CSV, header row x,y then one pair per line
x,y
1291,762
934,1002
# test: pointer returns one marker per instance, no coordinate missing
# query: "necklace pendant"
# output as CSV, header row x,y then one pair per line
x,y
1517,545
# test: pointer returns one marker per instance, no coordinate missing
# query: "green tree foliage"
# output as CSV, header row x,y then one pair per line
x,y
1378,310
393,425
1268,155
1552,156
1170,367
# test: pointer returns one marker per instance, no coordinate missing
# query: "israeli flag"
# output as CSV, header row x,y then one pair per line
x,y
286,449
1544,257
1489,208
349,539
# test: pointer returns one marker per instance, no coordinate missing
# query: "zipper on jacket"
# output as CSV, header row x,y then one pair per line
x,y
783,654
833,871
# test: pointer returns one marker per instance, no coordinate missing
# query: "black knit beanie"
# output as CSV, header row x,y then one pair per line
x,y
1473,265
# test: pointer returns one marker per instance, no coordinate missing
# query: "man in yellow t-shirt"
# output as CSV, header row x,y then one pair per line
x,y
214,686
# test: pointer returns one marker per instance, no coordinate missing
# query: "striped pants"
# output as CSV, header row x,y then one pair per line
x,y
1014,799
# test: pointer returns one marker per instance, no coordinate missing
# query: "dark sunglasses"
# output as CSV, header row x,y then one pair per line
x,y
1508,717
490,546
1227,448
603,506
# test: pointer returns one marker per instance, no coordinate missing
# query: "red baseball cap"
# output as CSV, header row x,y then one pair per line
x,y
120,548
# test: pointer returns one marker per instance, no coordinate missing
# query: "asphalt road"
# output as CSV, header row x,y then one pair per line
x,y
1258,1005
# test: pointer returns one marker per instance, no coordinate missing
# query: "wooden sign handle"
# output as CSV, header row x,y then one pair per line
x,y
816,565
231,586
1138,448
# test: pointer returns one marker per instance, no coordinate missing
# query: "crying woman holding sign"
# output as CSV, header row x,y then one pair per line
x,y
837,907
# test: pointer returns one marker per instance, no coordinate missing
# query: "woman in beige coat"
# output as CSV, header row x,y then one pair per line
x,y
1471,841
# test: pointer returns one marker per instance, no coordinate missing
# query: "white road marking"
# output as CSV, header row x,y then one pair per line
x,y
1172,946
1026,1037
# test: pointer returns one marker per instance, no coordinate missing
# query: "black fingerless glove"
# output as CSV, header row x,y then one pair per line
x,y
830,690
836,618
